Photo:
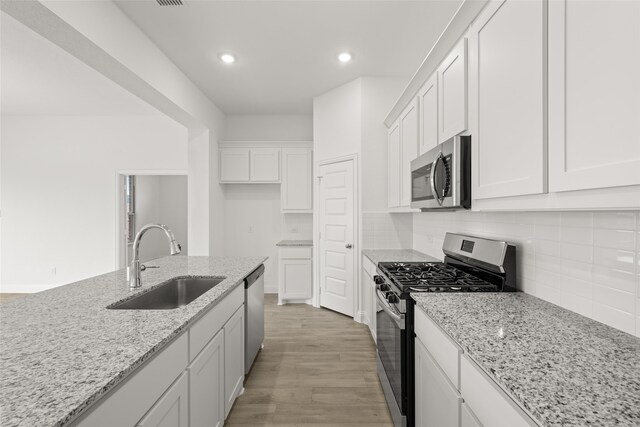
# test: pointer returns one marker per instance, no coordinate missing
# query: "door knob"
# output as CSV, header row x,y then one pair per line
x,y
348,246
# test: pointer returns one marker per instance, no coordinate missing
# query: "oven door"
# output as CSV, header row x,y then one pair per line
x,y
391,336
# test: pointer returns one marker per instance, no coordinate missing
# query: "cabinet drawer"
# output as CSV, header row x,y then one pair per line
x,y
369,266
439,345
208,325
491,405
295,253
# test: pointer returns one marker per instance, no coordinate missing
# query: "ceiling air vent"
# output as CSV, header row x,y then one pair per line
x,y
169,2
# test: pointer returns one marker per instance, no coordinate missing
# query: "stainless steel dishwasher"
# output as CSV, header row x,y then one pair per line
x,y
254,316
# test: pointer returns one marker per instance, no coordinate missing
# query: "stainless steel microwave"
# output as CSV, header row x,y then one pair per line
x,y
441,177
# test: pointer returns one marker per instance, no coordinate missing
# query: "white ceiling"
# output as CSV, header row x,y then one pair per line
x,y
39,78
286,50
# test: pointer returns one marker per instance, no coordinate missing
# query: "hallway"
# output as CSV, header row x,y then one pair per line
x,y
317,369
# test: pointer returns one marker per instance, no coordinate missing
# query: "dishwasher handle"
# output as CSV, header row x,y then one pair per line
x,y
253,276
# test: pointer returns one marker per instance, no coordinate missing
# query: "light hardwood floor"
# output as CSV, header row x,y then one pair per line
x,y
4,296
317,369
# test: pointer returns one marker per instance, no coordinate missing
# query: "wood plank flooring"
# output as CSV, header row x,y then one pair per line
x,y
5,296
318,369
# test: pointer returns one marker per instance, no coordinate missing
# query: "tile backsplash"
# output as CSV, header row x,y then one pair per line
x,y
382,230
588,262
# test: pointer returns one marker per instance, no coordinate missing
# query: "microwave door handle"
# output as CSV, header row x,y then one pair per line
x,y
434,190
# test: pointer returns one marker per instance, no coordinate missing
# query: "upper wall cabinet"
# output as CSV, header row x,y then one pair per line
x,y
594,94
234,165
265,164
428,97
452,92
249,165
297,184
408,149
393,166
507,99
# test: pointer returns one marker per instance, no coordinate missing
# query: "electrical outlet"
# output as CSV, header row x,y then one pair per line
x,y
251,229
54,271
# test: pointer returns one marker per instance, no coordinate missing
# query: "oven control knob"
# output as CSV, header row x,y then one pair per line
x,y
384,288
378,280
393,299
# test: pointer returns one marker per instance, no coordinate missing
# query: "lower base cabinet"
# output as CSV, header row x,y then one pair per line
x,y
233,363
295,274
172,408
206,385
437,401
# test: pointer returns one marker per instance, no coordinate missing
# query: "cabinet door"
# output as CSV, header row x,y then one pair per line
x,y
234,165
468,419
265,165
233,359
366,297
393,166
297,175
171,409
437,404
452,92
429,114
508,96
295,278
408,149
373,326
594,94
206,385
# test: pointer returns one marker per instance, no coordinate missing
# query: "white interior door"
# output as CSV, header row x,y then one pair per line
x,y
337,236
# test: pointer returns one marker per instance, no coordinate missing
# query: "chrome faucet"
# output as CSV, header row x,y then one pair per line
x,y
134,269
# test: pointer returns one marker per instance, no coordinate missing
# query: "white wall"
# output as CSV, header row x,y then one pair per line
x,y
59,191
269,128
337,122
161,199
587,262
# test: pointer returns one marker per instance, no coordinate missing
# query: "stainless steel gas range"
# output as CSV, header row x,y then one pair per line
x,y
471,264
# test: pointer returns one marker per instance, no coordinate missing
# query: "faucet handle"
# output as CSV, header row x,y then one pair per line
x,y
144,267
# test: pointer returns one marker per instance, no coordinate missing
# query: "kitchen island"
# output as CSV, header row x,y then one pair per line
x,y
62,349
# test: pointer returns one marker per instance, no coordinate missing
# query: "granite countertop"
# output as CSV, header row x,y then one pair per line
x,y
399,255
295,243
564,369
62,349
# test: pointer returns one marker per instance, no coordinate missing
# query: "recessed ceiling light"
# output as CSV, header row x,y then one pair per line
x,y
227,58
344,57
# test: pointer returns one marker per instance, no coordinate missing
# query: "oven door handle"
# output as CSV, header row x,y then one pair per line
x,y
395,315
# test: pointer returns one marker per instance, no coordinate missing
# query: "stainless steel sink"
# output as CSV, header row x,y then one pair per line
x,y
174,293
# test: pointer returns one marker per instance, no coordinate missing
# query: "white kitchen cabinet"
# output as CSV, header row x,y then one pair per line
x,y
491,405
393,166
452,92
295,274
249,165
296,193
428,96
370,302
172,408
234,165
594,94
468,418
265,165
233,359
437,403
408,149
507,99
206,385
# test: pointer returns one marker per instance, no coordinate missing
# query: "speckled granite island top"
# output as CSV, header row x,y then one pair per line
x,y
295,243
563,368
62,349
397,255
